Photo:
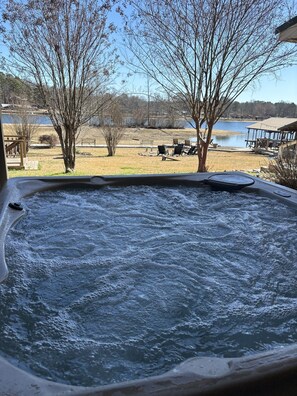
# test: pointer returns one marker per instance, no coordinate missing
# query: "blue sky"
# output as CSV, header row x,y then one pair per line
x,y
270,89
282,88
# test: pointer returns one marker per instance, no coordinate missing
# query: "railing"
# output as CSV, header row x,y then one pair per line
x,y
87,142
15,149
147,143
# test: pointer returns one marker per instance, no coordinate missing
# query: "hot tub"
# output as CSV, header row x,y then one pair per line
x,y
179,240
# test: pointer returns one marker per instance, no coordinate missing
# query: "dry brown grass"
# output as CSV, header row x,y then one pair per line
x,y
131,136
135,161
94,161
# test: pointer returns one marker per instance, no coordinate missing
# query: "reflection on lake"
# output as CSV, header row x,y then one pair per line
x,y
234,126
231,126
233,141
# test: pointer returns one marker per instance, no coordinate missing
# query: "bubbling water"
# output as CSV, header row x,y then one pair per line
x,y
114,284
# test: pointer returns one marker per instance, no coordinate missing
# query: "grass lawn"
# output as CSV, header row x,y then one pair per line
x,y
94,161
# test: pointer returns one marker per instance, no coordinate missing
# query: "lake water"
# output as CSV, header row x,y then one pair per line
x,y
234,126
36,119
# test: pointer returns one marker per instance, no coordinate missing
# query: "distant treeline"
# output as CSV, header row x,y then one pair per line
x,y
144,108
15,90
260,109
175,110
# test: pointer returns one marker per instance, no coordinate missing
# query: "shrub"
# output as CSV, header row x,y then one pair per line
x,y
52,139
283,170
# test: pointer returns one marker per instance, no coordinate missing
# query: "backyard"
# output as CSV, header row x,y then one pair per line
x,y
134,155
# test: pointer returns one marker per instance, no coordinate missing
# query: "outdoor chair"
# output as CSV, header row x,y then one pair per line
x,y
192,150
162,150
178,150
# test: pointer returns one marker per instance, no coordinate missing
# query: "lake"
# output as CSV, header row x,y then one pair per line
x,y
233,126
35,119
224,125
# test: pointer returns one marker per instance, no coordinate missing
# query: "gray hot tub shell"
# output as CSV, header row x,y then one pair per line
x,y
270,373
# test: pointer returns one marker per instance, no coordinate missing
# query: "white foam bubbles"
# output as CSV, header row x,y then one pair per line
x,y
117,283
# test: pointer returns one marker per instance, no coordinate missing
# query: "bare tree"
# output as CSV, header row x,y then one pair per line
x,y
25,124
64,47
139,115
113,126
207,52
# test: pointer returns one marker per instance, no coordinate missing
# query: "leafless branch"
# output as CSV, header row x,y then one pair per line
x,y
207,52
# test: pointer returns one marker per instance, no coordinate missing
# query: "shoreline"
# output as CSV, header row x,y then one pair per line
x,y
132,136
45,113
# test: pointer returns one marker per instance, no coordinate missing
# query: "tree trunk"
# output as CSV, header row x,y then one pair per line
x,y
69,158
68,146
69,153
202,156
111,150
202,148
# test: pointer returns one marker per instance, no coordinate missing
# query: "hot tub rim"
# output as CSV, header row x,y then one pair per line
x,y
195,375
